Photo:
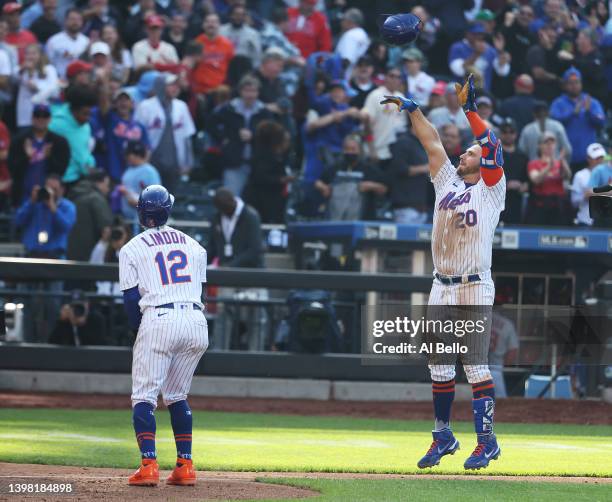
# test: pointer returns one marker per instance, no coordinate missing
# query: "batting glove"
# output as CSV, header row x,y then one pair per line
x,y
401,103
467,94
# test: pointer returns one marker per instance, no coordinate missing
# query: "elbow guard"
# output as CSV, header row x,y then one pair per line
x,y
492,158
131,297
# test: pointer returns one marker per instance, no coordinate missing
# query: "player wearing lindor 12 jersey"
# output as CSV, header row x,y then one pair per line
x,y
162,273
469,200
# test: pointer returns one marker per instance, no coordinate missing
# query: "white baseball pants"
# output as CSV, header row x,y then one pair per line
x,y
167,350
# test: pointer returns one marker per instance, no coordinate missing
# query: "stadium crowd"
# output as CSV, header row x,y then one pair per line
x,y
278,102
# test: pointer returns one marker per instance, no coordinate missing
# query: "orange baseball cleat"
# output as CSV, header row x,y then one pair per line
x,y
147,474
183,474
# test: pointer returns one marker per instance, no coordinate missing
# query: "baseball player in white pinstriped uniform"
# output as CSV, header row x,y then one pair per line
x,y
162,273
469,200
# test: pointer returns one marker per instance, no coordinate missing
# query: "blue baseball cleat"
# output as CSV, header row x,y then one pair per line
x,y
444,443
486,450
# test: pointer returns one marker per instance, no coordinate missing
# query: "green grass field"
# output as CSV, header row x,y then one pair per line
x,y
362,490
261,442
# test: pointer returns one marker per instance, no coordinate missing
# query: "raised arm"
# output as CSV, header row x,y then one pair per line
x,y
424,130
492,158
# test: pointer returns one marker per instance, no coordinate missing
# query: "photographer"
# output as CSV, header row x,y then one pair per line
x,y
46,218
79,325
107,251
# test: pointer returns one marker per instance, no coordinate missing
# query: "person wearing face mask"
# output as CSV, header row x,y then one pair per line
x,y
408,179
246,40
351,185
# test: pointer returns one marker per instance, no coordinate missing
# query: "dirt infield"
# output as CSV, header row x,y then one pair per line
x,y
515,410
89,483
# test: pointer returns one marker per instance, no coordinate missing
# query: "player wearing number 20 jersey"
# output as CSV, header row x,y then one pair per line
x,y
469,200
162,273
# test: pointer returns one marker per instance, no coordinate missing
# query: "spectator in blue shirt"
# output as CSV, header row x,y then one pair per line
x,y
138,176
329,121
46,219
581,114
601,174
474,52
112,129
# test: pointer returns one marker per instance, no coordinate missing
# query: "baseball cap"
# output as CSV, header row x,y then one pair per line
x,y
545,136
540,104
77,67
153,20
41,111
412,54
450,88
124,91
595,151
170,78
99,47
11,7
136,147
507,123
484,100
572,73
476,28
337,83
440,88
274,52
524,82
485,15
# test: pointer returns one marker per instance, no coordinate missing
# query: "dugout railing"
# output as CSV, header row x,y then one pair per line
x,y
117,359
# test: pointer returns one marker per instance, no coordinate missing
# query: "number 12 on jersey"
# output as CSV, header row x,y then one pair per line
x,y
178,261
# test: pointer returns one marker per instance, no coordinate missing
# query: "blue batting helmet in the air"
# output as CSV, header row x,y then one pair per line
x,y
154,206
400,29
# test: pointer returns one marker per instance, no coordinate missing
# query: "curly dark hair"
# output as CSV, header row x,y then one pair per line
x,y
269,136
78,96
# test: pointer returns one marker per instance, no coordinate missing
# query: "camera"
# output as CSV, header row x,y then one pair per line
x,y
600,207
78,309
43,195
117,233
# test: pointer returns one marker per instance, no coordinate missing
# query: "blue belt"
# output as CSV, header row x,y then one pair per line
x,y
171,306
456,279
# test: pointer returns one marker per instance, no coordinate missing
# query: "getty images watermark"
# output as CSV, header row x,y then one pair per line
x,y
421,334
405,334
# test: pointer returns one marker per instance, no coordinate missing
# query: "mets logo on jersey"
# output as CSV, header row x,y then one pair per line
x,y
451,202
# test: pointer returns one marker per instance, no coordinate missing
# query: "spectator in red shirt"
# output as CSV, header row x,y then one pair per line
x,y
308,29
210,73
16,36
548,199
